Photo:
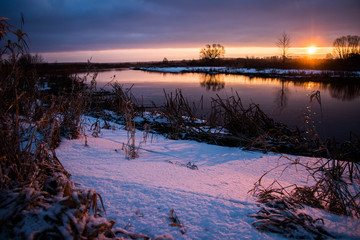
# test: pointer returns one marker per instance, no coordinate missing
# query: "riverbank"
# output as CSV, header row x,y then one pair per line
x,y
314,75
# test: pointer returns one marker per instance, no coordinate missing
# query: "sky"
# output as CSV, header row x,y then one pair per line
x,y
145,30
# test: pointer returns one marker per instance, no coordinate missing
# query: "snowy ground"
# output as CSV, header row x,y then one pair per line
x,y
271,71
211,202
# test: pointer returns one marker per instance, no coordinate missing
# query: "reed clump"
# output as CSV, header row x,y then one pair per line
x,y
230,124
176,107
182,119
131,150
251,128
334,187
280,214
34,186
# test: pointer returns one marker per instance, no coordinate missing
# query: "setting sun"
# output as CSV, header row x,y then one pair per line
x,y
311,50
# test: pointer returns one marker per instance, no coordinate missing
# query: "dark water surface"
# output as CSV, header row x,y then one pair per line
x,y
285,101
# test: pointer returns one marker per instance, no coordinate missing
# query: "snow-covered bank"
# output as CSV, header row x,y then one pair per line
x,y
211,202
271,72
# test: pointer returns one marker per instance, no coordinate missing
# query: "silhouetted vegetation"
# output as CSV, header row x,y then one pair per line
x,y
351,64
212,52
347,47
284,44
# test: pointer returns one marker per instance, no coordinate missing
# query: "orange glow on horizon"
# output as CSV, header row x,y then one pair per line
x,y
158,54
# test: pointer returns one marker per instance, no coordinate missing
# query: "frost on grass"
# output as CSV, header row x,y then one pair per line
x,y
280,215
72,213
330,188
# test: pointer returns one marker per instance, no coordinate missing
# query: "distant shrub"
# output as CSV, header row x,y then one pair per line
x,y
212,52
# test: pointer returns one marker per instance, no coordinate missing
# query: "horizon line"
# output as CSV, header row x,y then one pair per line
x,y
172,54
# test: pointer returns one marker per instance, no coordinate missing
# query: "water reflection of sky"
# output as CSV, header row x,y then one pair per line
x,y
287,101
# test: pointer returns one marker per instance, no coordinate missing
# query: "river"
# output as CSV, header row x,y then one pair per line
x,y
335,112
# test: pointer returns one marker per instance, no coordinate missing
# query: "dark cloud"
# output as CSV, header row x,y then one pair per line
x,y
65,25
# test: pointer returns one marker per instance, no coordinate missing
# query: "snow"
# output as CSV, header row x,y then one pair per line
x,y
211,203
270,71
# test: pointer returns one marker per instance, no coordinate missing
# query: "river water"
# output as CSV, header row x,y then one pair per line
x,y
334,113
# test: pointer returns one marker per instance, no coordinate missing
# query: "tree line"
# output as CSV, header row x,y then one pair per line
x,y
344,47
347,46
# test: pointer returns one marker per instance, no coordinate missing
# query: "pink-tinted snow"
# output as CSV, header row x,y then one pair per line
x,y
212,202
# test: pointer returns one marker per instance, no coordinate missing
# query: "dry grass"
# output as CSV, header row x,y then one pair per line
x,y
240,121
131,150
123,97
333,190
183,120
332,187
281,215
175,221
174,109
68,215
251,128
34,186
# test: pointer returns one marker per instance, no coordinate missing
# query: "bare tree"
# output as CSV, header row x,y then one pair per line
x,y
211,52
284,44
346,46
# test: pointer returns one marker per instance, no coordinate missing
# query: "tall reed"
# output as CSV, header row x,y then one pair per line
x,y
34,186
